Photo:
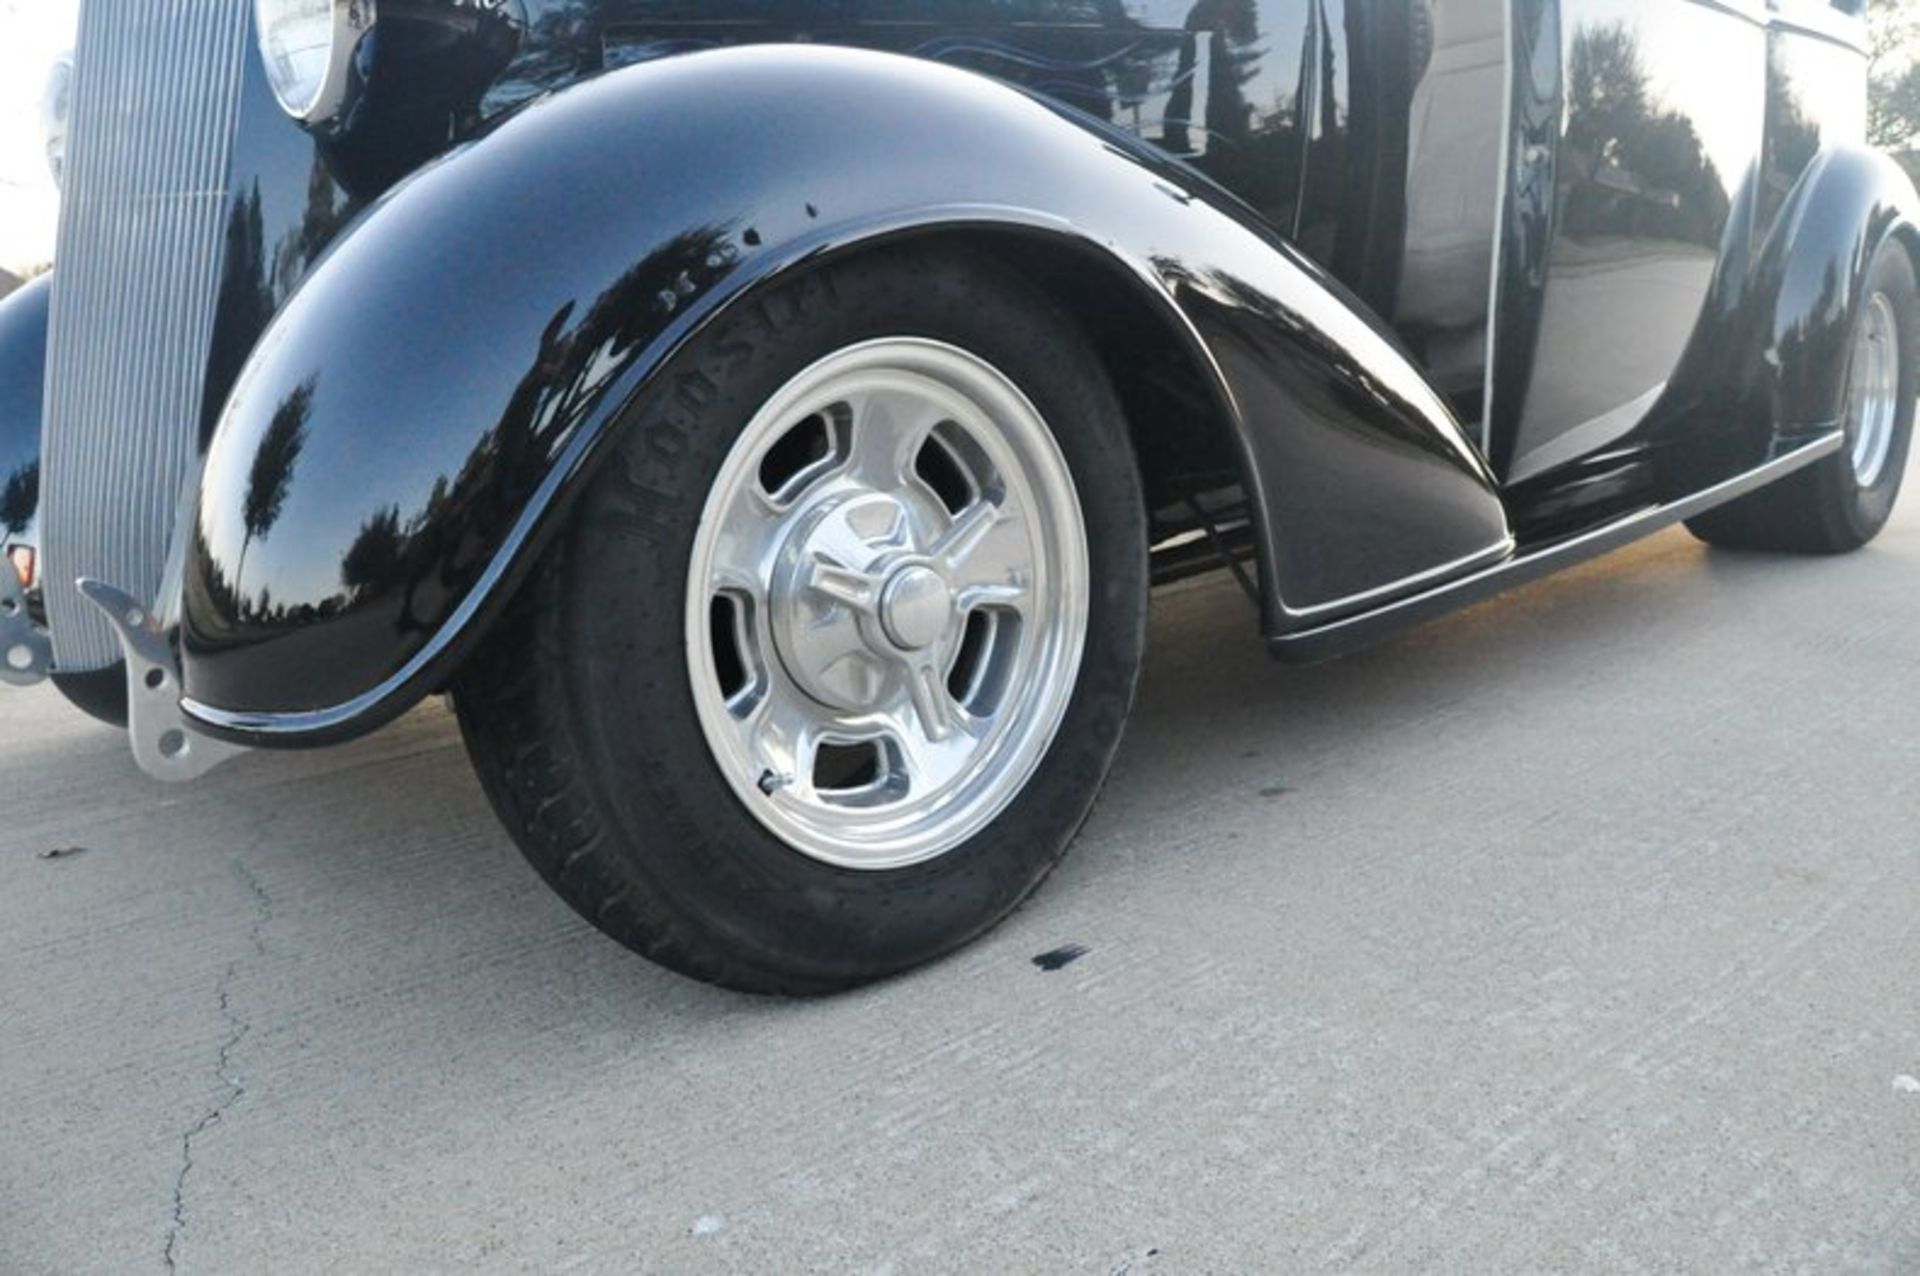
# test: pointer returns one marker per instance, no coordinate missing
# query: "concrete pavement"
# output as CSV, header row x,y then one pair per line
x,y
1577,932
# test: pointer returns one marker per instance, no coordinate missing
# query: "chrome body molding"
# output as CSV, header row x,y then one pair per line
x,y
1353,603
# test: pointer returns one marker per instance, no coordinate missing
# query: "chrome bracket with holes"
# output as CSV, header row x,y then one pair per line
x,y
166,743
26,653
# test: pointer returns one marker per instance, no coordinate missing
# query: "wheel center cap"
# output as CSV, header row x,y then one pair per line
x,y
916,607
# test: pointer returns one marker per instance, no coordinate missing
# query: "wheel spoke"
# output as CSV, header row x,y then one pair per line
x,y
927,688
985,556
745,547
969,527
1009,597
853,589
780,736
931,762
888,429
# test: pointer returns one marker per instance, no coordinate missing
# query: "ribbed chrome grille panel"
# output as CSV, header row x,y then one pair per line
x,y
156,91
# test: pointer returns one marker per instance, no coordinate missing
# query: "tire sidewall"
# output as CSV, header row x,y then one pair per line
x,y
626,589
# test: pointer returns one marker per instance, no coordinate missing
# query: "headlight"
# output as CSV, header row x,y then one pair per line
x,y
309,47
22,558
56,108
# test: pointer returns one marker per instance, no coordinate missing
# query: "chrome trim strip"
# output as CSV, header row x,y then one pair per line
x,y
1407,584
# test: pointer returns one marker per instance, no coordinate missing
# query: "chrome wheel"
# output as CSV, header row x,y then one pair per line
x,y
887,603
1873,393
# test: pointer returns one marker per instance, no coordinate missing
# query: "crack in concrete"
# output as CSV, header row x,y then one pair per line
x,y
238,1028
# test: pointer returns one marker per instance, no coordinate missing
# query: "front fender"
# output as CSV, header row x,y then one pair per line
x,y
1814,265
23,365
23,361
406,437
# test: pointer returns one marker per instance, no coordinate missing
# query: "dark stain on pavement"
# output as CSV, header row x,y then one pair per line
x,y
1065,955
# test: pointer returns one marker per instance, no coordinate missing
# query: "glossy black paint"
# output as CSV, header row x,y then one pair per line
x,y
1814,101
1300,108
1671,255
432,358
383,473
1526,229
422,79
1250,92
1768,368
23,361
1429,111
101,694
1536,561
286,206
434,74
1836,217
1651,157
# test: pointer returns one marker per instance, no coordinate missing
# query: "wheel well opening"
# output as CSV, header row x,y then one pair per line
x,y
1192,470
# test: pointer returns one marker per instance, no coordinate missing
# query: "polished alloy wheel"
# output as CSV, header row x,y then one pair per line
x,y
1873,394
887,603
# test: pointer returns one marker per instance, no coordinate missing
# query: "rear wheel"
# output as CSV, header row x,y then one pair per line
x,y
839,648
1842,502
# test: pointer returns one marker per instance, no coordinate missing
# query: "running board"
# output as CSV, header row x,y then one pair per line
x,y
1354,632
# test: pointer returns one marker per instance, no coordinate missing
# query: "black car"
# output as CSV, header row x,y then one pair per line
x,y
766,418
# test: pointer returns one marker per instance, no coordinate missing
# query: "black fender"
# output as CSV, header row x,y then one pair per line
x,y
407,435
23,364
1813,268
24,317
26,649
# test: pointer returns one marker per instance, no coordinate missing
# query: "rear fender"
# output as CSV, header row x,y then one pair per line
x,y
1813,267
408,434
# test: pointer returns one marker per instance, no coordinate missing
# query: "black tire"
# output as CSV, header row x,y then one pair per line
x,y
579,714
1825,508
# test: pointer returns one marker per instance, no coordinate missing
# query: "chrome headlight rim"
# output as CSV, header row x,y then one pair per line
x,y
323,98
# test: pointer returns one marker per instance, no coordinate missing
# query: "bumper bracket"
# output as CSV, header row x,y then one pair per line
x,y
26,653
165,742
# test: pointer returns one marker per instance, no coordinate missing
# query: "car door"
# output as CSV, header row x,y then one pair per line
x,y
1660,124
